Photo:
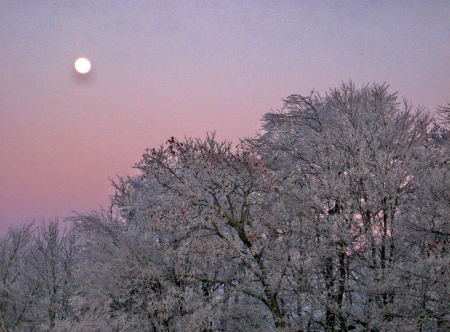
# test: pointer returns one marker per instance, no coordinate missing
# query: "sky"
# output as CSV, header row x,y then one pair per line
x,y
182,68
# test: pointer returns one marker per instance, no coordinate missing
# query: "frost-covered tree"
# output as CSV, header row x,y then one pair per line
x,y
50,263
36,277
353,161
129,285
217,231
14,293
444,115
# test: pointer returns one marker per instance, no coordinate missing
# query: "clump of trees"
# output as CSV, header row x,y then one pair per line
x,y
336,217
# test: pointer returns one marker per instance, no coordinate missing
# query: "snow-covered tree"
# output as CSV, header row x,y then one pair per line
x,y
353,161
216,229
14,296
50,263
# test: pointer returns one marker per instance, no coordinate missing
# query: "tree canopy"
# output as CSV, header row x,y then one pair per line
x,y
334,217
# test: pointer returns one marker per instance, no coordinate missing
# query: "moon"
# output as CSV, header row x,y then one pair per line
x,y
82,65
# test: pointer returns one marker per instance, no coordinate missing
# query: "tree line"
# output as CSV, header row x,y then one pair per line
x,y
334,217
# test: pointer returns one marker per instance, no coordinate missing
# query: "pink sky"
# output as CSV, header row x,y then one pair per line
x,y
175,68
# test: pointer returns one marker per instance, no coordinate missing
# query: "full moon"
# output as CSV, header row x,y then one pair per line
x,y
82,65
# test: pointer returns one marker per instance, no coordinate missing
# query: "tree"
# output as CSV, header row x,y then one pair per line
x,y
444,115
50,261
215,223
352,160
13,296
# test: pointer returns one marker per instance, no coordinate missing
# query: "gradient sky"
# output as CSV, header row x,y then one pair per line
x,y
175,68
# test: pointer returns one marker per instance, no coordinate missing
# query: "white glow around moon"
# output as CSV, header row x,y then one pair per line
x,y
82,65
